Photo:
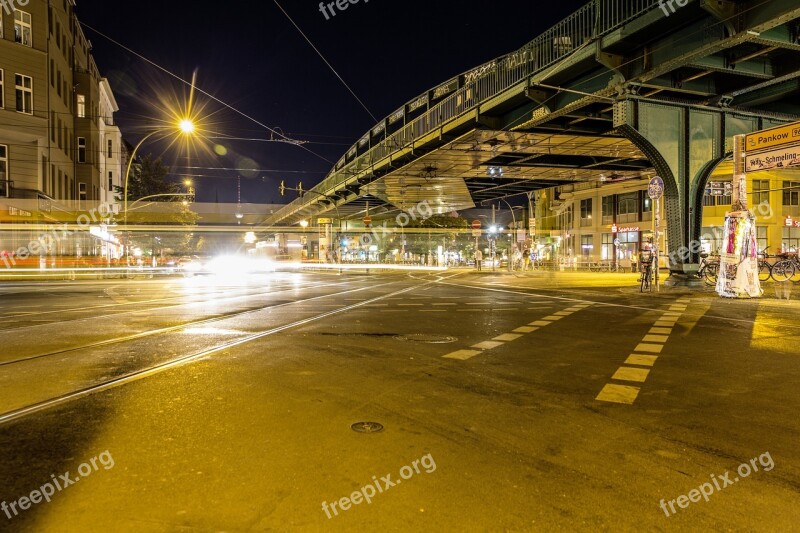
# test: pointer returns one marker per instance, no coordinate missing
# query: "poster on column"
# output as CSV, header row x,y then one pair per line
x,y
738,270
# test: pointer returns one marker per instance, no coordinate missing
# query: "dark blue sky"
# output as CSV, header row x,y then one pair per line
x,y
249,55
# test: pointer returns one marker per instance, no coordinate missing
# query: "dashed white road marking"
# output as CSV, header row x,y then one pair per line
x,y
649,348
660,331
618,394
641,360
507,337
656,338
487,345
463,355
627,373
540,323
525,329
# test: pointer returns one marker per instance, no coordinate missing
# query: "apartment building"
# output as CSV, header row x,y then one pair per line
x,y
56,111
60,149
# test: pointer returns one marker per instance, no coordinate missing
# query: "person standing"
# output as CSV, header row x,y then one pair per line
x,y
526,260
478,259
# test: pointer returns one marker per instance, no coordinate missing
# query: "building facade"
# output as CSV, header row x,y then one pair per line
x,y
613,222
56,111
60,149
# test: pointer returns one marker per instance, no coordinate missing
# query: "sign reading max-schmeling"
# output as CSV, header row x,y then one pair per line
x,y
772,159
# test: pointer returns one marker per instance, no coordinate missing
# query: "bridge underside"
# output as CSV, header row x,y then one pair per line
x,y
483,165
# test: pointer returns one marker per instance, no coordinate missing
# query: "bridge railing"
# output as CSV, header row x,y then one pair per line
x,y
592,21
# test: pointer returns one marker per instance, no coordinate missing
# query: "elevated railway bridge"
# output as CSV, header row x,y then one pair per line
x,y
620,89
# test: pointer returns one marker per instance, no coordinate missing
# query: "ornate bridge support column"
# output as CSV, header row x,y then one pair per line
x,y
685,144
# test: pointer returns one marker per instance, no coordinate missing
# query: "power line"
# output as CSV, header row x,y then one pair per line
x,y
205,93
326,61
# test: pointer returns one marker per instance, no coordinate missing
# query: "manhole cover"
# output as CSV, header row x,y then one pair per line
x,y
367,427
426,338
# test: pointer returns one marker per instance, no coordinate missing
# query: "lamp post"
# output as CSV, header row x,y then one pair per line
x,y
186,126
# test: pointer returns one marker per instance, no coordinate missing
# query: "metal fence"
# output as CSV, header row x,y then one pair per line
x,y
592,21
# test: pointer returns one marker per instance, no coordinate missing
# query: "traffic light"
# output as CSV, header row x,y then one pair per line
x,y
283,188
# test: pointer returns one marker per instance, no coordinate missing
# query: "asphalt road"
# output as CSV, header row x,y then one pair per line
x,y
543,402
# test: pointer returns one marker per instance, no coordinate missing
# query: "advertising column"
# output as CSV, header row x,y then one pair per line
x,y
738,271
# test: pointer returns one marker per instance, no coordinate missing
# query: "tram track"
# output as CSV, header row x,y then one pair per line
x,y
162,366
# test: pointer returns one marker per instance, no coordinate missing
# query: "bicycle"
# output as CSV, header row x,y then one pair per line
x,y
709,270
785,268
764,266
647,274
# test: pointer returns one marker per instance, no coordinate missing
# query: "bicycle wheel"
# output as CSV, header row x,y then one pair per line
x,y
796,277
764,271
783,271
710,273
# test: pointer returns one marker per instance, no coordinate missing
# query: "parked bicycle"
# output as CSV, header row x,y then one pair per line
x,y
785,268
646,268
764,266
709,269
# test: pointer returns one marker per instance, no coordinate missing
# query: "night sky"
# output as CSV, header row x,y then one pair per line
x,y
249,55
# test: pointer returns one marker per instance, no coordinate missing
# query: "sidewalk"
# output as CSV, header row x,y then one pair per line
x,y
627,282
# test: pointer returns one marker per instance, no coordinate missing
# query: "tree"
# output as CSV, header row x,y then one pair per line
x,y
148,177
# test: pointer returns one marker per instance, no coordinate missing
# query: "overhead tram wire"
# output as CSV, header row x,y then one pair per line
x,y
205,93
326,62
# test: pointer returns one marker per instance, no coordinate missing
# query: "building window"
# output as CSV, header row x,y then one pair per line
x,y
586,212
791,193
587,246
81,106
81,150
24,94
791,239
110,182
22,27
709,200
647,206
2,86
628,207
607,253
760,192
608,209
110,149
4,188
629,245
82,192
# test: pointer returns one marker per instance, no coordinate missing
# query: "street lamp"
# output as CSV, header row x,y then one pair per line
x,y
186,127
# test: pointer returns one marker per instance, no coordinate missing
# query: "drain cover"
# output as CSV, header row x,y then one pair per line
x,y
367,427
426,338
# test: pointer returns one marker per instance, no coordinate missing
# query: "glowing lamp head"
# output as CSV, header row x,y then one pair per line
x,y
187,126
304,223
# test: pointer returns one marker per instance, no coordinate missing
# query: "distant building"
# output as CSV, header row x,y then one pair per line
x,y
601,221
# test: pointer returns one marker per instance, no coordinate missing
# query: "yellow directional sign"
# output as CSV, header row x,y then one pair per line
x,y
773,137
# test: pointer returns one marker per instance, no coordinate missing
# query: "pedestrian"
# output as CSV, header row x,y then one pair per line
x,y
526,260
478,259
